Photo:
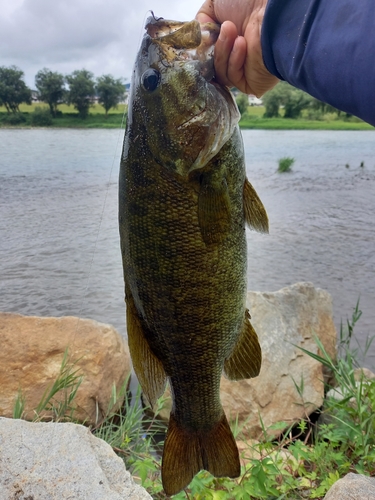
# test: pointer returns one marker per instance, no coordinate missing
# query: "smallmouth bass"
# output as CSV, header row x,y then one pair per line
x,y
183,203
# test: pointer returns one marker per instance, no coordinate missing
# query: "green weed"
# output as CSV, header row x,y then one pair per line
x,y
13,119
41,117
129,431
57,402
285,164
19,405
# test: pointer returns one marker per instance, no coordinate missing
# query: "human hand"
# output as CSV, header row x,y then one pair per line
x,y
238,51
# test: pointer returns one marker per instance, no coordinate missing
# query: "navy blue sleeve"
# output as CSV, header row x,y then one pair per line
x,y
326,48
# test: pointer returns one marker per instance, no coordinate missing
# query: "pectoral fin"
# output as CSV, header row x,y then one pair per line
x,y
255,213
147,366
246,358
214,210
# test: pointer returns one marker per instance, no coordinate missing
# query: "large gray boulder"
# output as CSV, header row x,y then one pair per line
x,y
49,461
352,487
284,321
32,350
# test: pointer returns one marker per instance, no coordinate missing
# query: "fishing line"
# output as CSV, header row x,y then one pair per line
x,y
85,292
140,38
84,300
106,194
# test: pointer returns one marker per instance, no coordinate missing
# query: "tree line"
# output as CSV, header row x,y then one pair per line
x,y
294,101
79,89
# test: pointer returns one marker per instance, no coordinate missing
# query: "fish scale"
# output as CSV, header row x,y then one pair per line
x,y
183,204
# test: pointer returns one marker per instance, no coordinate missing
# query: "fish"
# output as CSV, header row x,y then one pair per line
x,y
184,201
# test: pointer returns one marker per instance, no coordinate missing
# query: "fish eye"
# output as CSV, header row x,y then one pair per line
x,y
150,79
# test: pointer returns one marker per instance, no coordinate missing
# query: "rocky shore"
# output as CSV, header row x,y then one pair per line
x,y
63,460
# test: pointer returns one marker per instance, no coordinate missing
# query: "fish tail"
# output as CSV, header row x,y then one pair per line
x,y
186,452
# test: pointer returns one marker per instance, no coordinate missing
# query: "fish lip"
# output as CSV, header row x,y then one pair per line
x,y
178,34
188,35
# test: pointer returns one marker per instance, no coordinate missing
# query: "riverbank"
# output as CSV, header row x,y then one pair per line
x,y
253,119
301,124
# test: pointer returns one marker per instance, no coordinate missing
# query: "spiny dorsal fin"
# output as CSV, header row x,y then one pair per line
x,y
147,366
246,358
213,210
186,452
255,213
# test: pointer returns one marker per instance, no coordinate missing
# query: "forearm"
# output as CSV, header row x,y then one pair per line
x,y
325,47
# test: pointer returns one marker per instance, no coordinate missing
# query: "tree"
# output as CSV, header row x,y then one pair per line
x,y
296,100
293,100
323,107
13,90
272,101
51,88
81,91
110,91
242,101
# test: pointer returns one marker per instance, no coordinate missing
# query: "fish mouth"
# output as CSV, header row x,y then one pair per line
x,y
176,34
185,41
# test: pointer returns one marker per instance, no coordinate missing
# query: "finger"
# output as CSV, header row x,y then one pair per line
x,y
206,13
223,49
236,62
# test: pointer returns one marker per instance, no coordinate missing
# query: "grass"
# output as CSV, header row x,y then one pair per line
x,y
285,164
67,108
57,402
252,119
303,463
253,122
69,117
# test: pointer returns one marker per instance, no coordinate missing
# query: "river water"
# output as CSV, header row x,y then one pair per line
x,y
59,244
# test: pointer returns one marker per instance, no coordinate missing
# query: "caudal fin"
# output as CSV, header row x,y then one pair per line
x,y
187,452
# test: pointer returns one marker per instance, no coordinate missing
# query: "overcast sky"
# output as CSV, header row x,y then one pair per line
x,y
101,36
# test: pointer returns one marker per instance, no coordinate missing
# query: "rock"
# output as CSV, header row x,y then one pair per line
x,y
57,461
32,350
282,320
352,487
361,374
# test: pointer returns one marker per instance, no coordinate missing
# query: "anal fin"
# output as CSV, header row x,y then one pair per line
x,y
147,366
246,358
255,214
186,452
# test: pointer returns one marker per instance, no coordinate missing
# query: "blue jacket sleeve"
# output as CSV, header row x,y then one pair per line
x,y
326,48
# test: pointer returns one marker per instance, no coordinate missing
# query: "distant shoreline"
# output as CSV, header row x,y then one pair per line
x,y
291,125
116,119
258,125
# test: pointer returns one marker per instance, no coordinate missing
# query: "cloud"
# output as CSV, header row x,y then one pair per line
x,y
64,35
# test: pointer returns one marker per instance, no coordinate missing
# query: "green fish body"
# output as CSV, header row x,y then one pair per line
x,y
183,203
